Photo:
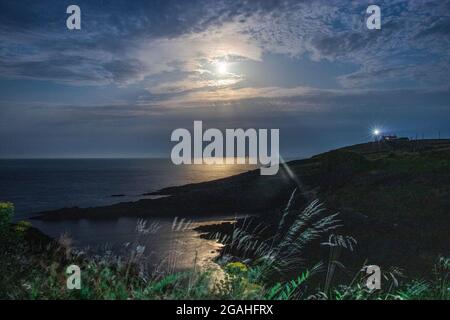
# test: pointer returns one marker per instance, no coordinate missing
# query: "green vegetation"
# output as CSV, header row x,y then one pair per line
x,y
398,185
33,267
6,214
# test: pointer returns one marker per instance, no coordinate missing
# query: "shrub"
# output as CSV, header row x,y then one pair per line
x,y
22,226
236,268
6,214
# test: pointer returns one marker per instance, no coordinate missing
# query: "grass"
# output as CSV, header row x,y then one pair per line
x,y
32,269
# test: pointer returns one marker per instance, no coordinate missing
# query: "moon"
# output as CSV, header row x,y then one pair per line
x,y
222,68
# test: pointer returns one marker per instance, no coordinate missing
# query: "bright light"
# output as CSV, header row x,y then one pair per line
x,y
376,132
222,68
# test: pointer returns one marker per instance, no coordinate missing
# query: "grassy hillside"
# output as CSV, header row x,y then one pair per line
x,y
394,198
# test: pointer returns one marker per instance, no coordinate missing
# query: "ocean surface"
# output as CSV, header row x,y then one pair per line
x,y
38,185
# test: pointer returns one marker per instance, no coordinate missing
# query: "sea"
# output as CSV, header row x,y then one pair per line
x,y
36,185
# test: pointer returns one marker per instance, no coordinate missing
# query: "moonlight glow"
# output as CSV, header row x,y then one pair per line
x,y
222,68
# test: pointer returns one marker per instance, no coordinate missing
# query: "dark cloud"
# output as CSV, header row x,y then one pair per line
x,y
123,70
439,27
338,45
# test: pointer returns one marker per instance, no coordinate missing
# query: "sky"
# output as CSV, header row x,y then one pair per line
x,y
137,70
